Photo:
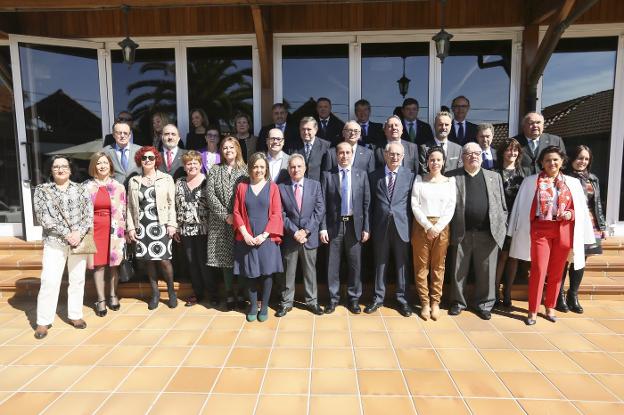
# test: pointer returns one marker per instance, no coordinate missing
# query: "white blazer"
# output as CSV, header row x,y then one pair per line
x,y
520,221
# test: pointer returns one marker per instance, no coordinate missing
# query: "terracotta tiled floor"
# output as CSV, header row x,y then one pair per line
x,y
203,361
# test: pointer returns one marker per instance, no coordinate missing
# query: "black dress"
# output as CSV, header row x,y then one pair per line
x,y
195,141
256,261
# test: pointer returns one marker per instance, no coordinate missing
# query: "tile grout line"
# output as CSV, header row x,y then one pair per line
x,y
357,379
266,366
312,335
137,364
193,346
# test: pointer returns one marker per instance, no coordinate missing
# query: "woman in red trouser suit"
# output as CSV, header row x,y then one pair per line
x,y
558,220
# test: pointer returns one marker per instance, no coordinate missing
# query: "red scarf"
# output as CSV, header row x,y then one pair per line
x,y
546,196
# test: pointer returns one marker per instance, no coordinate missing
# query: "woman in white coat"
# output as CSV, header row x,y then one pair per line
x,y
549,218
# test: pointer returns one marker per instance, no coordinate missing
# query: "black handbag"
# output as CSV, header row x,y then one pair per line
x,y
126,268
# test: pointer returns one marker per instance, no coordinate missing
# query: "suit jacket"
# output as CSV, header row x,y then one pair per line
x,y
411,157
470,134
528,161
310,216
383,209
122,175
364,159
497,208
453,155
282,176
292,140
317,160
360,202
333,132
177,167
375,135
424,132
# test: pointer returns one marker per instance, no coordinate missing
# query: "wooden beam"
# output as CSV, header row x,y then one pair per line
x,y
541,11
264,41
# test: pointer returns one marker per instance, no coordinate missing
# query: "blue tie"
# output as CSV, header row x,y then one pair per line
x,y
344,193
124,159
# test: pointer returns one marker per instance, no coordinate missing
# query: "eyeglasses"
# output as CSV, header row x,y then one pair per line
x,y
394,155
473,154
150,158
61,167
276,138
212,135
350,131
124,119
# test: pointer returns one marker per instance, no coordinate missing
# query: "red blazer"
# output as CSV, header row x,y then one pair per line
x,y
275,226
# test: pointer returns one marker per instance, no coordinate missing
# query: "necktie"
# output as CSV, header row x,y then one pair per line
x,y
298,196
487,163
307,151
412,132
281,127
124,159
533,145
460,133
169,159
344,193
364,130
390,185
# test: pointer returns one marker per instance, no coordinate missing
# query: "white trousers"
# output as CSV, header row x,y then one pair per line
x,y
54,259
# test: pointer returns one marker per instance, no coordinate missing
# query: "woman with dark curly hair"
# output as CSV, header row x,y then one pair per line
x,y
151,220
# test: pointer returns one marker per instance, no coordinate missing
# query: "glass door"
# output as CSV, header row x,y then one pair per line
x,y
60,106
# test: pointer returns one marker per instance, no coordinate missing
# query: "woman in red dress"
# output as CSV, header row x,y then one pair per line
x,y
109,226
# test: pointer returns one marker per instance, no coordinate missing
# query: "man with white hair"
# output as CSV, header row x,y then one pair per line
x,y
478,231
533,140
393,129
362,157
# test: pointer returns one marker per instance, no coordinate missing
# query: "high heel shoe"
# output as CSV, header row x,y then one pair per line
x,y
114,307
173,299
153,302
98,312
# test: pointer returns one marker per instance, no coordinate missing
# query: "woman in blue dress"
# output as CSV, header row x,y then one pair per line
x,y
259,227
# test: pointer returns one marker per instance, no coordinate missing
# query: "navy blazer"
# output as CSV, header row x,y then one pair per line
x,y
470,134
317,161
424,132
528,160
375,135
364,159
310,217
333,132
360,202
291,138
399,208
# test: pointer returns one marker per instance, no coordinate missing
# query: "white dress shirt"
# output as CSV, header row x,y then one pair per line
x,y
275,164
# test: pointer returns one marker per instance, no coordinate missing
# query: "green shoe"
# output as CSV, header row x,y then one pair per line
x,y
251,317
262,317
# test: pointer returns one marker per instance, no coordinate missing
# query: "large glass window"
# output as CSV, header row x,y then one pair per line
x,y
62,108
220,82
145,88
480,71
577,98
313,71
10,201
382,67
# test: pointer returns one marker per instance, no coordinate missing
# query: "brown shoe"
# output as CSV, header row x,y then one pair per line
x,y
41,332
435,312
79,324
425,312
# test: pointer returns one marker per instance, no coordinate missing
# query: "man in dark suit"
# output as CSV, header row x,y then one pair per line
x,y
172,154
278,160
533,140
289,129
463,131
329,126
478,231
453,151
391,189
372,132
304,208
126,117
485,135
362,157
345,226
393,130
315,150
122,153
414,131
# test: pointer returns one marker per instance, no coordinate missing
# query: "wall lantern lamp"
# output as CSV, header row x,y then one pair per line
x,y
128,46
404,81
443,38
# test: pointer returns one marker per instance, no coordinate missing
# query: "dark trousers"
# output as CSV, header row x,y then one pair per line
x,y
344,242
386,245
201,278
478,247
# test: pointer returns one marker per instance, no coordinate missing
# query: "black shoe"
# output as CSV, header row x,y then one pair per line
x,y
529,321
282,311
241,304
573,303
455,310
484,314
98,312
330,308
561,306
315,309
507,303
114,307
153,303
552,319
214,302
405,310
230,304
354,307
41,332
173,300
371,308
191,301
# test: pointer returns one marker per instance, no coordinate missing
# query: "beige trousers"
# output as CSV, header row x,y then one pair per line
x,y
429,257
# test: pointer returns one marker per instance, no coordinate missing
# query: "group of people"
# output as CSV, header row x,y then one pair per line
x,y
431,201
